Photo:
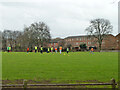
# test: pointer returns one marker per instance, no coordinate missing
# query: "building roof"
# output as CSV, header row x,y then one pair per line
x,y
82,36
77,36
118,35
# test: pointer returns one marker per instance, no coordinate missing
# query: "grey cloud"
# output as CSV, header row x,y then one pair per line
x,y
64,17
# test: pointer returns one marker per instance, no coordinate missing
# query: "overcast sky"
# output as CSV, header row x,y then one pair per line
x,y
64,17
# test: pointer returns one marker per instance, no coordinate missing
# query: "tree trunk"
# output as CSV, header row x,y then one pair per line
x,y
99,47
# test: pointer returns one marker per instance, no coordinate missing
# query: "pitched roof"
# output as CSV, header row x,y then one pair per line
x,y
82,36
118,35
77,36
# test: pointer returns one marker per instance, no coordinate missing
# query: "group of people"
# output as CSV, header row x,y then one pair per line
x,y
48,49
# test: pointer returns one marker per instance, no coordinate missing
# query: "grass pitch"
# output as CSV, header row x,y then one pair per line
x,y
60,68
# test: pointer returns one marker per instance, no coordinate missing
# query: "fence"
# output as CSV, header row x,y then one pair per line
x,y
25,84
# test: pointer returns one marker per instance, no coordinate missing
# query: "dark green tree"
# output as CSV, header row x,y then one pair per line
x,y
83,46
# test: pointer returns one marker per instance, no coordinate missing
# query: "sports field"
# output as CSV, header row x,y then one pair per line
x,y
60,68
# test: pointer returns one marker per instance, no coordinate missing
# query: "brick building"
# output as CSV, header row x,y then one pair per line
x,y
75,41
110,42
118,41
54,42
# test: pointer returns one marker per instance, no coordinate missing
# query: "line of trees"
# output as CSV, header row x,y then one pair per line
x,y
36,34
39,34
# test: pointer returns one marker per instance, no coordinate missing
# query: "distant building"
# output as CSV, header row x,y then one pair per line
x,y
110,42
54,42
118,41
75,41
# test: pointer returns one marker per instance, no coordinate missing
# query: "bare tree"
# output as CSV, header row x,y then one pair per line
x,y
37,33
21,41
9,37
6,38
99,28
15,36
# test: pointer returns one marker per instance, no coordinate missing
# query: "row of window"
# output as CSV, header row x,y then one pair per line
x,y
88,43
78,43
79,39
53,43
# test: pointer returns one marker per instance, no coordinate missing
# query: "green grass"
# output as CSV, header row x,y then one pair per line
x,y
59,68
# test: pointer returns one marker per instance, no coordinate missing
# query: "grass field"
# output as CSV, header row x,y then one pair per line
x,y
60,68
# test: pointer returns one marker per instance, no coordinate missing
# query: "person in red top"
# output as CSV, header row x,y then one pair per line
x,y
56,49
27,50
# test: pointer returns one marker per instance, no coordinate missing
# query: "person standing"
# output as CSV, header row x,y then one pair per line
x,y
27,50
52,49
35,49
60,49
41,49
8,49
92,50
48,50
56,49
67,50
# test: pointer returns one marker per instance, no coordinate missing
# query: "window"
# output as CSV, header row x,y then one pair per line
x,y
77,39
84,38
51,44
103,42
88,38
77,43
89,42
80,39
80,42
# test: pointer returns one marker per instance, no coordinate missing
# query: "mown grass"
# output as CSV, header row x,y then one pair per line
x,y
59,68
